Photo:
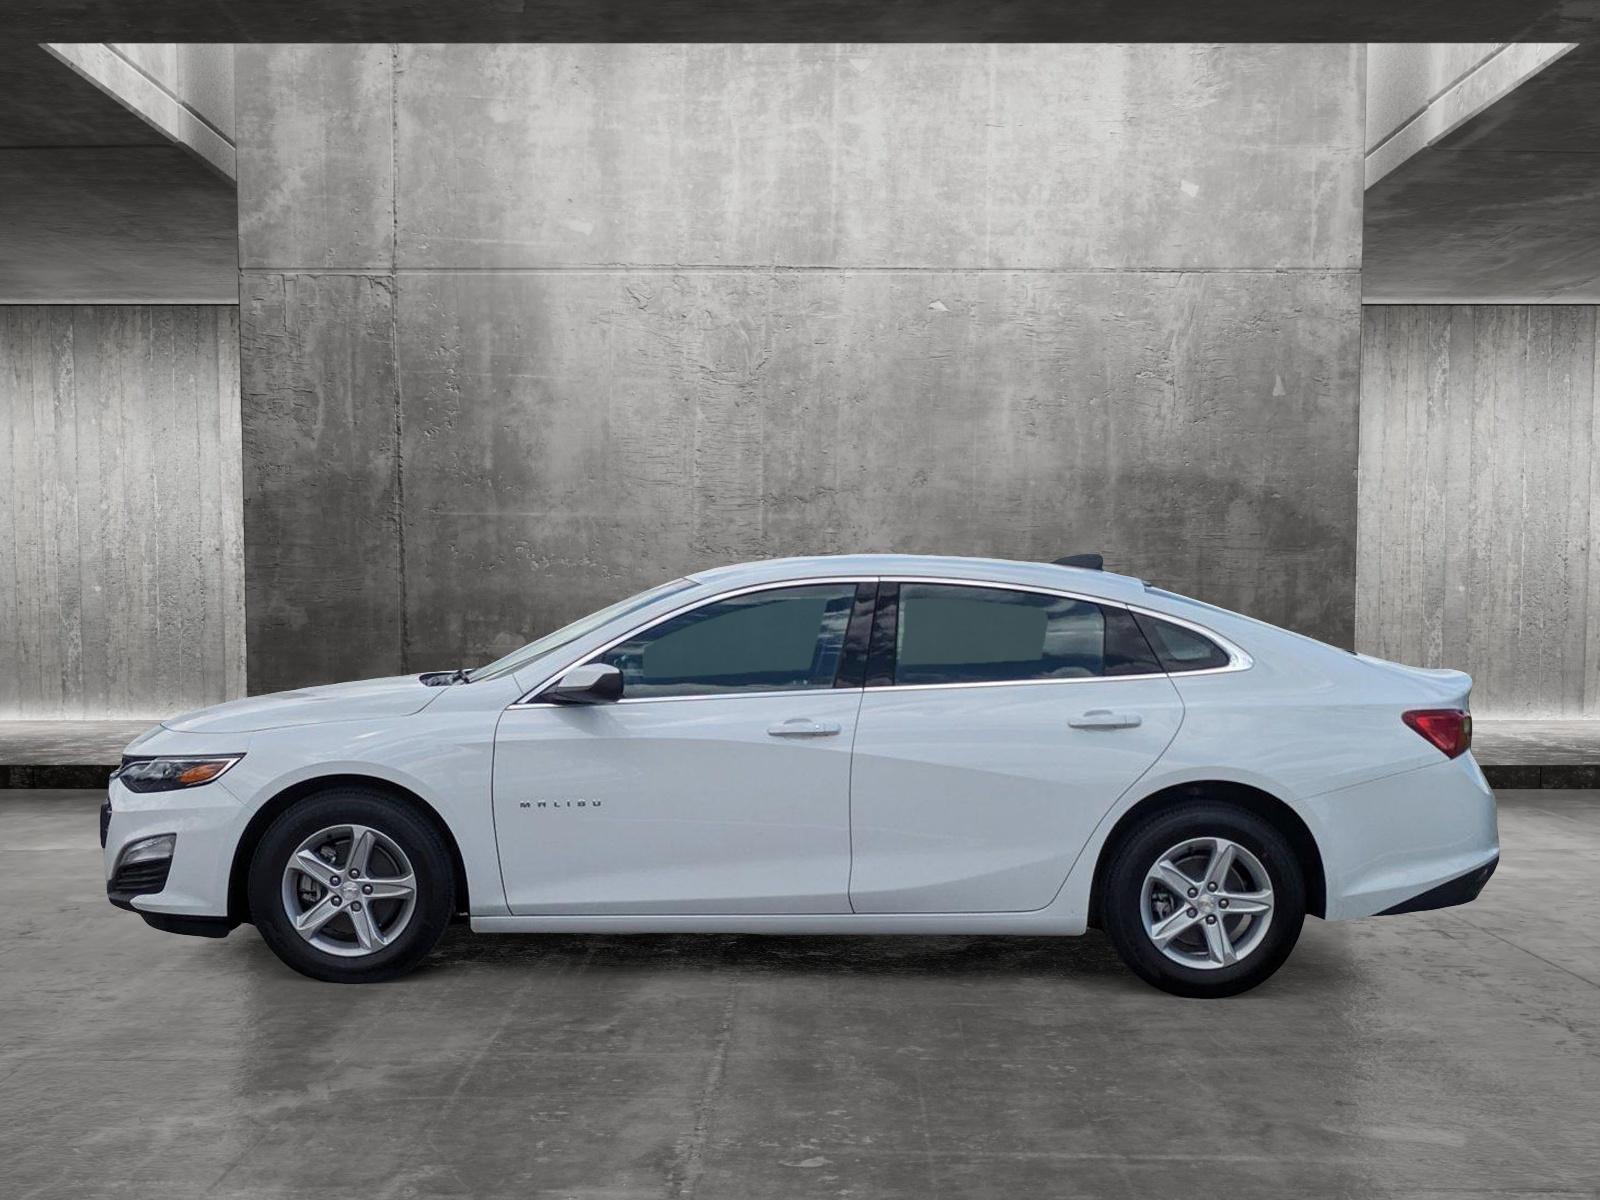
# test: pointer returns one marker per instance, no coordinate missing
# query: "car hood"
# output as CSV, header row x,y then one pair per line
x,y
398,696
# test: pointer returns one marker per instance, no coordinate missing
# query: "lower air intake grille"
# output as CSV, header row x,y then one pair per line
x,y
140,878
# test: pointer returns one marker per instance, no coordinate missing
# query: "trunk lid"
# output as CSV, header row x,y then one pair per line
x,y
1440,687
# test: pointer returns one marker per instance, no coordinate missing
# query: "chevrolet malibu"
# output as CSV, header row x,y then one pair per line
x,y
854,745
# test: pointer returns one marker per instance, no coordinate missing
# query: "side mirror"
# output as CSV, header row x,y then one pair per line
x,y
590,683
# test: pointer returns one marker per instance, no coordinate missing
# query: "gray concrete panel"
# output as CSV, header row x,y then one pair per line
x,y
321,477
573,436
316,187
120,552
891,156
1478,544
656,309
198,75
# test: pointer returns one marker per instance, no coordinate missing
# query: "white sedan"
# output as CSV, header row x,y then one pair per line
x,y
871,744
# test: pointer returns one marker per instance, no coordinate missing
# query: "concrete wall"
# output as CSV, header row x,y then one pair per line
x,y
97,206
1480,500
184,89
1501,209
528,327
1417,92
121,563
115,225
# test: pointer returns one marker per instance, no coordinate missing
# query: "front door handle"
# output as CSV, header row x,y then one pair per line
x,y
1104,718
803,727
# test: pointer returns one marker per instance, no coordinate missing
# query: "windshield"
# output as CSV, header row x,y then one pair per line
x,y
582,627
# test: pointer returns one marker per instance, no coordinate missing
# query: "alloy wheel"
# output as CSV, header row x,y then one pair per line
x,y
349,890
1207,903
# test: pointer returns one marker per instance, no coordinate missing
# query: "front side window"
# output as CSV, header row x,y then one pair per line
x,y
950,634
782,639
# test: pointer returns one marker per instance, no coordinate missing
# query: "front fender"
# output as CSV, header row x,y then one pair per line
x,y
443,758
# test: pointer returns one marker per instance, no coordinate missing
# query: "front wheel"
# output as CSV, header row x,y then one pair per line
x,y
1204,900
351,886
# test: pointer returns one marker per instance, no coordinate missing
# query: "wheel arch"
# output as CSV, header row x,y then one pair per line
x,y
282,801
1252,799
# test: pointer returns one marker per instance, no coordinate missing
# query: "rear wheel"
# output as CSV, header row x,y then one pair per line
x,y
1204,900
351,886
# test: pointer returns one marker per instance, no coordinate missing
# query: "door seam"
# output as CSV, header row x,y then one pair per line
x,y
850,803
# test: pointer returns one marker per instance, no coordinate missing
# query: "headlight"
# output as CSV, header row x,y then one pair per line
x,y
168,774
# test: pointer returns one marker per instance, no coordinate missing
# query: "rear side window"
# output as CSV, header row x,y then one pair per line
x,y
951,634
1181,649
776,640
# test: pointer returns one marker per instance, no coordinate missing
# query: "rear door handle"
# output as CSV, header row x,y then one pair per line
x,y
803,727
1104,718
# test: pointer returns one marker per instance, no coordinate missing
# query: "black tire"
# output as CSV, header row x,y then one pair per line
x,y
415,836
1122,897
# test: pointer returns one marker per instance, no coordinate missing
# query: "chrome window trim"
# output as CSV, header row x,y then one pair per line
x,y
1238,658
752,694
995,586
1000,683
527,699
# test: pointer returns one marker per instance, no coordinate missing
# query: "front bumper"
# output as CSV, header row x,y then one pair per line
x,y
131,880
207,822
192,926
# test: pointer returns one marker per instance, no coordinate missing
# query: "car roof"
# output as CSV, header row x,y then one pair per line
x,y
936,566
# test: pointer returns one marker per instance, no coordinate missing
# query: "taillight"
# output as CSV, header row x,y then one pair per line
x,y
1449,729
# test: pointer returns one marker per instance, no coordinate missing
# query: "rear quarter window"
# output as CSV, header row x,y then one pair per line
x,y
1181,649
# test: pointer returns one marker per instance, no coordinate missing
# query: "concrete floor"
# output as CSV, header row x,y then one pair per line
x,y
56,743
1445,1054
1500,741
